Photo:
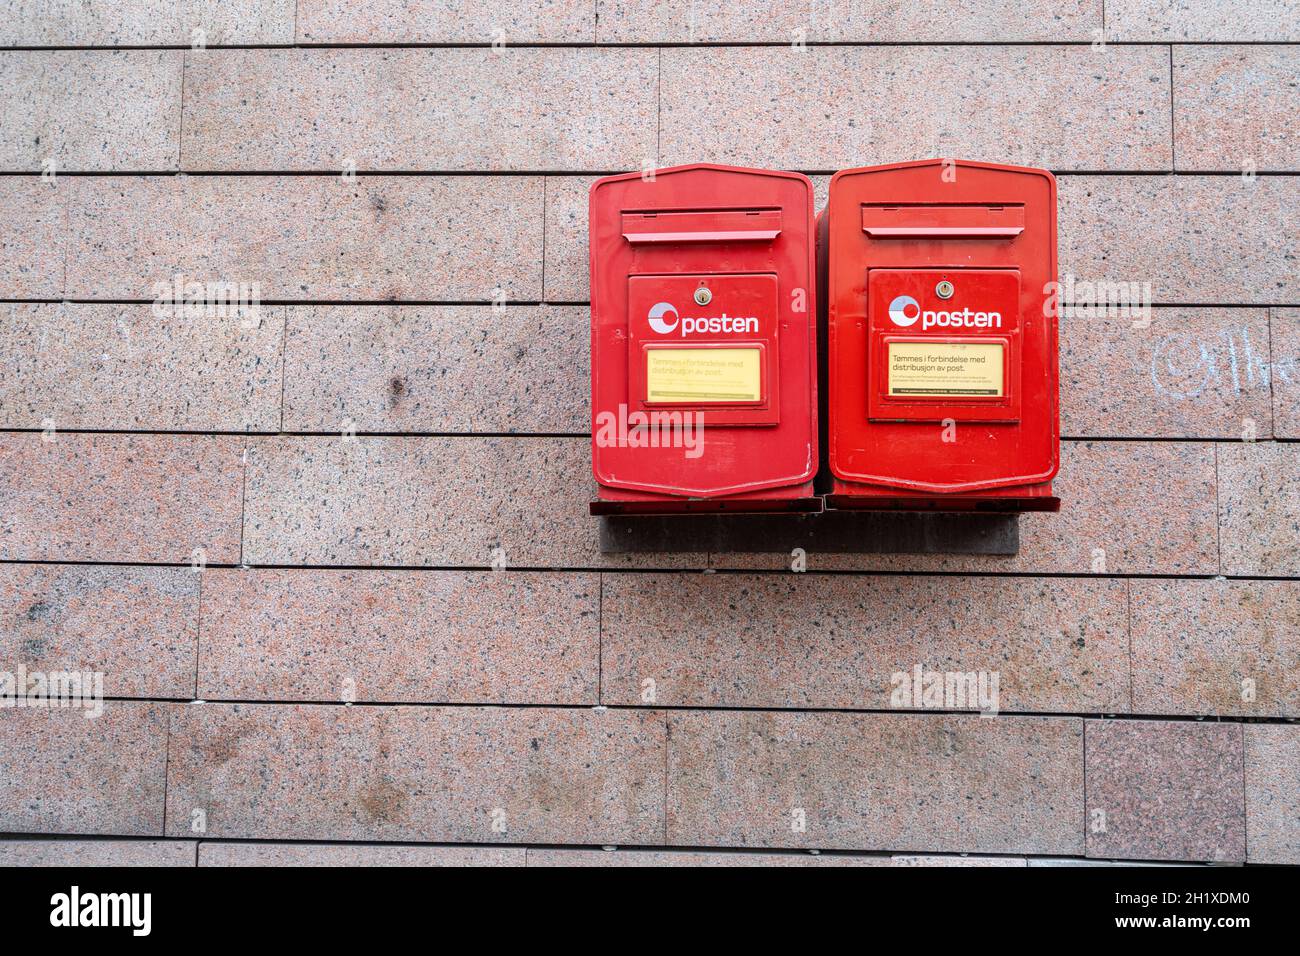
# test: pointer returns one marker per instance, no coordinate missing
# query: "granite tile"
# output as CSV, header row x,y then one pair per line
x,y
904,782
61,772
819,641
1059,107
427,109
438,369
453,774
95,110
33,237
1165,790
1270,21
415,501
538,856
1073,861
1272,793
120,498
125,367
355,854
1222,239
777,21
1284,328
97,853
1216,647
1235,107
450,238
147,22
137,625
1178,373
1259,508
502,22
418,636
960,861
567,220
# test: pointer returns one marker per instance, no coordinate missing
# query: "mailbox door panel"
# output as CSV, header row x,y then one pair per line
x,y
703,307
939,280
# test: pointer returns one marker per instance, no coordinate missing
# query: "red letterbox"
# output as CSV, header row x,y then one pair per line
x,y
941,337
703,341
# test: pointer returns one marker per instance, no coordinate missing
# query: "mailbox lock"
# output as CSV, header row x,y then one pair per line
x,y
944,289
703,296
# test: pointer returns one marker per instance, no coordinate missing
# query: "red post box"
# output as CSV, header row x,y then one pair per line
x,y
703,341
941,337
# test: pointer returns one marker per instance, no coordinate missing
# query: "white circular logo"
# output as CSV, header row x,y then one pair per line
x,y
656,317
904,311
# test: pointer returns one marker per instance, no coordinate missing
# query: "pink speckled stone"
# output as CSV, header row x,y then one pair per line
x,y
910,783
97,852
33,236
1221,239
62,772
1259,508
129,498
419,636
355,854
446,21
777,21
443,369
330,772
308,237
122,367
1190,373
146,22
1268,21
416,501
1195,643
724,640
440,109
825,108
1284,324
1169,790
590,858
1272,793
1235,106
1110,501
959,861
567,215
139,626
101,110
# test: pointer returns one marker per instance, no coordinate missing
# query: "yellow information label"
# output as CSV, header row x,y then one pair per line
x,y
702,375
945,369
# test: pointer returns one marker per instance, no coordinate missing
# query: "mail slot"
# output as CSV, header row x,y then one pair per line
x,y
941,367
703,341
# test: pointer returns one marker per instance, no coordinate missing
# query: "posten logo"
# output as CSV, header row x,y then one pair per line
x,y
661,312
656,317
904,311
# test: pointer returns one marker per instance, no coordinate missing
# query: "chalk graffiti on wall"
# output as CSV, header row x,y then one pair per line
x,y
1188,365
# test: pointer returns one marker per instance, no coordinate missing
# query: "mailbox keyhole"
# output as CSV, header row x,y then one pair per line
x,y
703,296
